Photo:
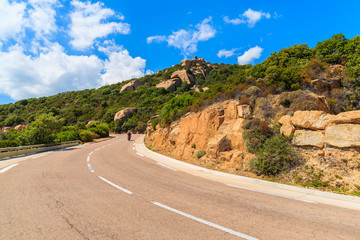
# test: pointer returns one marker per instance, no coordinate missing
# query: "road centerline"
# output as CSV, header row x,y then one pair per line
x,y
238,234
116,186
90,168
163,165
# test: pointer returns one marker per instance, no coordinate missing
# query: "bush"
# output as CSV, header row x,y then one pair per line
x,y
65,136
200,153
274,157
255,134
101,129
87,136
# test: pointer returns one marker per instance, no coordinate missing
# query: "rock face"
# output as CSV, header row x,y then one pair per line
x,y
170,84
123,115
340,130
183,76
217,130
131,86
343,135
198,66
308,138
315,120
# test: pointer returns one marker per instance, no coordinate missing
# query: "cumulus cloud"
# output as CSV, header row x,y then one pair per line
x,y
120,65
226,53
11,18
187,40
250,55
22,76
88,24
250,17
34,64
42,17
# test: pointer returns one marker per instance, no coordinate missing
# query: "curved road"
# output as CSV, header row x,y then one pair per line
x,y
109,191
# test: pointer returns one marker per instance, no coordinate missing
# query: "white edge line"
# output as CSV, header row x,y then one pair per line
x,y
140,154
206,222
90,168
274,194
114,185
7,168
166,166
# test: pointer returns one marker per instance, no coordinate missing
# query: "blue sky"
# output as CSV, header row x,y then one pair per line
x,y
52,46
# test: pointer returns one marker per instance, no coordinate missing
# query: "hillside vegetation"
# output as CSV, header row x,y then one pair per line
x,y
65,116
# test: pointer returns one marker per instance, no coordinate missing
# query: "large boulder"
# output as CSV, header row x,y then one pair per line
x,y
343,135
184,77
131,86
123,115
315,120
170,84
347,117
308,138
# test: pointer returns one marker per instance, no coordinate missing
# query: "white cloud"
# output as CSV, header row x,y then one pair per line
x,y
87,24
22,76
121,66
156,39
250,17
250,55
187,40
226,53
235,21
34,64
42,17
12,19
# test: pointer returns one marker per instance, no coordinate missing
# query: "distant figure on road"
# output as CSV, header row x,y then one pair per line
x,y
129,135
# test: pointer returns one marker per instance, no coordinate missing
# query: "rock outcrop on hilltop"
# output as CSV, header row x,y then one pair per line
x,y
191,69
131,86
198,66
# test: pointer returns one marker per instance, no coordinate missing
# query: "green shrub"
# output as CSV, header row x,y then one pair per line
x,y
86,136
200,153
101,129
255,134
65,136
274,157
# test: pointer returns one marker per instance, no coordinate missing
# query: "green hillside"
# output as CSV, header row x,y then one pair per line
x,y
65,116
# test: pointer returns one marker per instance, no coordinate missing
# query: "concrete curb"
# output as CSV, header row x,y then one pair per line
x,y
312,192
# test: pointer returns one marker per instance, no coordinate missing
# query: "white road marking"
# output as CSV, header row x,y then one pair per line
x,y
39,156
274,194
206,222
90,168
88,159
91,153
7,168
133,148
166,166
140,154
116,186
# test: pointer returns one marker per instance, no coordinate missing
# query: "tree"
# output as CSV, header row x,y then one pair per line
x,y
43,129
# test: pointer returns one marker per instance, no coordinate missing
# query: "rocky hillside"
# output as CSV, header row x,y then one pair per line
x,y
221,137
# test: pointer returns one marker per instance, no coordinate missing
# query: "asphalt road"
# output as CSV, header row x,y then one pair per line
x,y
109,191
